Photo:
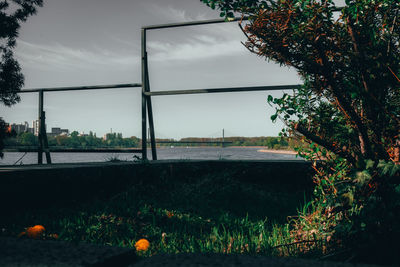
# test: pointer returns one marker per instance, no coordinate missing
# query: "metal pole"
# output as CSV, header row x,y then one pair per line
x,y
204,22
44,138
223,136
78,88
150,111
192,23
226,90
40,146
144,122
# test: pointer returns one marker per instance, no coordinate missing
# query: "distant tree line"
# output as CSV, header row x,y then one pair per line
x,y
74,140
265,141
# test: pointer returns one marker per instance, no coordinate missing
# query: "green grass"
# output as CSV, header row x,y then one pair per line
x,y
209,213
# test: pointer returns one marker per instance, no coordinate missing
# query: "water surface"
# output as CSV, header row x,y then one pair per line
x,y
184,153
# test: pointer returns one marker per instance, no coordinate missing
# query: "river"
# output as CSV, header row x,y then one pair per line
x,y
183,153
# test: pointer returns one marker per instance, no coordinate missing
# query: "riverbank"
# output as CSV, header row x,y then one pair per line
x,y
278,151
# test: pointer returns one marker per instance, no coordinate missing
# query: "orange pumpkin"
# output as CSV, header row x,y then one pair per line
x,y
35,232
142,245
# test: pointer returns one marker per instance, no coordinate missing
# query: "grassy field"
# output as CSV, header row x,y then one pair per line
x,y
214,212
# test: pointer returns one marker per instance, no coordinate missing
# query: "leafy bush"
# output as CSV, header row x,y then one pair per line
x,y
348,111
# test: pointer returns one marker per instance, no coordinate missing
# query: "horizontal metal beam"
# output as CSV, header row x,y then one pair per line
x,y
191,23
78,150
78,88
224,90
204,22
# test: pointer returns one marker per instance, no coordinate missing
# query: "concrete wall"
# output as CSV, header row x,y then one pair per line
x,y
35,187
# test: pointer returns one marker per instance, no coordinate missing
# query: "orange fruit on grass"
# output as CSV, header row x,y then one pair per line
x,y
142,245
35,232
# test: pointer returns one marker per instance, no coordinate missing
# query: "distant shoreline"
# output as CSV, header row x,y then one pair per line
x,y
288,152
262,149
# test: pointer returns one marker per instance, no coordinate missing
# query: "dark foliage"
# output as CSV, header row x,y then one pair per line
x,y
3,134
12,14
348,109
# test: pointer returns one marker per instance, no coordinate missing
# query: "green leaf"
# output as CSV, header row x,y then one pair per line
x,y
290,111
362,178
397,189
230,15
388,168
369,164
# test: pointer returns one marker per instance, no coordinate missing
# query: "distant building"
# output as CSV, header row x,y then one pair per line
x,y
20,128
111,136
35,124
56,131
82,134
59,131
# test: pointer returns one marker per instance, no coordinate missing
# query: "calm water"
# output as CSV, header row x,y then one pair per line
x,y
163,153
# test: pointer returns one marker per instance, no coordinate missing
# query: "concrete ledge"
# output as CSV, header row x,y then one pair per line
x,y
235,260
19,252
33,186
26,252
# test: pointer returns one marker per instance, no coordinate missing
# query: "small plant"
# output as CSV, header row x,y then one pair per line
x,y
114,158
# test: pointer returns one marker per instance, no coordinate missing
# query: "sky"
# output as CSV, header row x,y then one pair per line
x,y
95,42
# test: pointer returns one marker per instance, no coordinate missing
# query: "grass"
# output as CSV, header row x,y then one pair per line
x,y
114,158
209,213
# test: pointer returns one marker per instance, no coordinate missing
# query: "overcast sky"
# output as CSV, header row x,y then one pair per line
x,y
92,42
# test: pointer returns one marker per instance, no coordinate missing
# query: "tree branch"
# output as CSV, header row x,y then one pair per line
x,y
324,143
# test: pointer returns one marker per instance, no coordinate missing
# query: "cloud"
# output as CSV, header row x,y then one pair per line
x,y
171,13
204,41
58,56
199,47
